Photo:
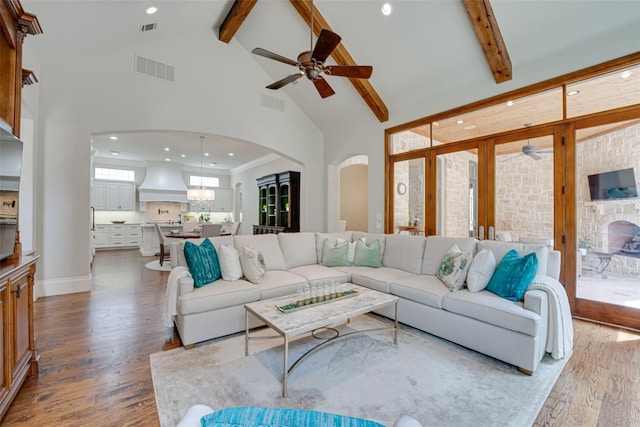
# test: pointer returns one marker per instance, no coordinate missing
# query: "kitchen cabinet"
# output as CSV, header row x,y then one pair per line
x,y
223,201
114,196
278,203
101,236
110,236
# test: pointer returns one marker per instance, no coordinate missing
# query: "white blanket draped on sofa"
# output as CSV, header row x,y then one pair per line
x,y
560,334
171,295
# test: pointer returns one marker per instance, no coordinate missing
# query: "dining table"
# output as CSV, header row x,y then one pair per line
x,y
190,235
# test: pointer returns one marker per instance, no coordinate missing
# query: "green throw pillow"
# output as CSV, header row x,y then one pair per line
x,y
513,275
368,256
202,262
335,256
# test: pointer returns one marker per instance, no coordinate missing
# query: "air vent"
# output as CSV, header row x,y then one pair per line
x,y
272,102
154,68
148,27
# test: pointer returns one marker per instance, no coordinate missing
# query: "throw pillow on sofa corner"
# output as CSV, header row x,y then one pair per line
x,y
351,254
482,268
454,267
202,261
229,260
335,256
368,256
513,275
253,264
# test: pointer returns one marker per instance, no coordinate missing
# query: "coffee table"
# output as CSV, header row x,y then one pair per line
x,y
291,324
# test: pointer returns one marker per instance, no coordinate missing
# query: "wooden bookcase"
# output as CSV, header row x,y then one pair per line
x,y
278,203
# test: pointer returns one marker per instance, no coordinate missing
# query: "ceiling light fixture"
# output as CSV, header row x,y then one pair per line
x,y
231,154
459,122
114,138
167,159
201,194
386,9
167,149
183,155
626,74
509,103
115,153
573,92
152,10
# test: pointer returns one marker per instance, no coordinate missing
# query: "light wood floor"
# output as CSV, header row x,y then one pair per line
x,y
95,347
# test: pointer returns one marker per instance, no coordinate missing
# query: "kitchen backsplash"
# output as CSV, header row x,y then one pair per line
x,y
158,212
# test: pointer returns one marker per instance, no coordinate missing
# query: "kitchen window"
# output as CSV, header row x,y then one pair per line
x,y
203,181
115,174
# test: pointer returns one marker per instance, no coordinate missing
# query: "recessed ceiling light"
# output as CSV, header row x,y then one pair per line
x,y
509,103
115,153
231,154
386,9
459,122
435,123
167,159
183,155
470,127
626,74
573,92
152,10
167,149
113,137
212,163
206,154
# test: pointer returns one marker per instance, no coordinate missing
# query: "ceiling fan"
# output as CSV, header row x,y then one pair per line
x,y
531,151
311,64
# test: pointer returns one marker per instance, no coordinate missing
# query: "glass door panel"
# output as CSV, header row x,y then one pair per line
x,y
408,196
608,218
457,193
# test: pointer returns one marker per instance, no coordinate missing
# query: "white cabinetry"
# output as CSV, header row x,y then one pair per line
x,y
114,196
117,236
101,236
133,235
223,201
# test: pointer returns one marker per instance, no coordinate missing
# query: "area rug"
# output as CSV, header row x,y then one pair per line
x,y
155,265
433,380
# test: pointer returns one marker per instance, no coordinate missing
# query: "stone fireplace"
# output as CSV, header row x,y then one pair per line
x,y
623,238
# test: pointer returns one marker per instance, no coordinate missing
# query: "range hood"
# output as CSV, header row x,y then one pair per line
x,y
163,183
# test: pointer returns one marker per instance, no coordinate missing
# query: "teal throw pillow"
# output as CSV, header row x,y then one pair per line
x,y
335,256
202,261
513,275
368,256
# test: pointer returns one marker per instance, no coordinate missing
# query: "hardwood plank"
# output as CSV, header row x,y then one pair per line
x,y
95,347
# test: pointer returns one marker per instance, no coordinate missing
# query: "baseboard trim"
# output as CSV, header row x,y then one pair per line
x,y
66,285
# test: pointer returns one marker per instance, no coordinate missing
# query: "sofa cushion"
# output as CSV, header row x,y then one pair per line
x,y
267,244
252,262
334,256
490,308
424,289
454,267
437,246
219,294
482,268
177,247
379,278
298,249
280,283
500,249
203,262
370,238
368,255
333,238
317,274
229,259
513,275
404,253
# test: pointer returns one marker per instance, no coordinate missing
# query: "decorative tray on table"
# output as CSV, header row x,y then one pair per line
x,y
295,306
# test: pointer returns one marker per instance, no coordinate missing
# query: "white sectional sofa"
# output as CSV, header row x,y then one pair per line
x,y
514,332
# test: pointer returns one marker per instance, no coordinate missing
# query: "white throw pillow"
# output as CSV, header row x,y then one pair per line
x,y
407,421
454,267
229,260
351,254
482,268
253,264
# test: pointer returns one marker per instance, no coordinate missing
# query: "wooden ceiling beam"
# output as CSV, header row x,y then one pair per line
x,y
234,19
486,27
342,57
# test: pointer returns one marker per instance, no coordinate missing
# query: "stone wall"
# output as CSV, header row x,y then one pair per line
x,y
452,198
616,150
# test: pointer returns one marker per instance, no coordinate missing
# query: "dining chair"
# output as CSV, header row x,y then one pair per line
x,y
210,230
234,228
164,256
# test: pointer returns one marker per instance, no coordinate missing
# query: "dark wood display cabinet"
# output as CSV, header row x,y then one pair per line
x,y
278,203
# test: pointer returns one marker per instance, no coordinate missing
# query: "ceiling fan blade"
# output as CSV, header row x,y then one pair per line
x,y
263,52
290,78
512,157
534,156
323,88
353,71
327,41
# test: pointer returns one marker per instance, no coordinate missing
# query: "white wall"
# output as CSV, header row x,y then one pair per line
x,y
103,93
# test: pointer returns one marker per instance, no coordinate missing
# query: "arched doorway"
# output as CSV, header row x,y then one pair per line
x,y
354,193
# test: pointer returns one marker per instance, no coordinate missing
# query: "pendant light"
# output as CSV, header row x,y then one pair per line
x,y
201,194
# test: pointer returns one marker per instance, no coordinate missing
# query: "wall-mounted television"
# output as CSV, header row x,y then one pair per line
x,y
619,184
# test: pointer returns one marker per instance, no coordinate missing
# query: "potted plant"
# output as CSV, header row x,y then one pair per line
x,y
584,244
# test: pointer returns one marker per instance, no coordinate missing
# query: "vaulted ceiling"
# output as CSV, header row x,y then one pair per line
x,y
427,56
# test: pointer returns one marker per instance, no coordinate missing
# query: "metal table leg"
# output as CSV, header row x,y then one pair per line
x,y
285,368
